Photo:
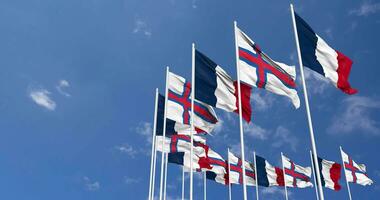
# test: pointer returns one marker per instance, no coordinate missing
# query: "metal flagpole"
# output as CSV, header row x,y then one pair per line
x,y
164,133
229,173
154,170
192,117
256,177
240,113
313,146
315,180
152,159
166,174
204,186
344,167
283,172
183,182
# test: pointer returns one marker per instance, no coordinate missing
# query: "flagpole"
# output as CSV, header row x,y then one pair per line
x,y
183,182
166,174
229,173
283,172
152,159
164,133
154,168
313,145
344,167
256,177
192,116
240,113
315,180
204,186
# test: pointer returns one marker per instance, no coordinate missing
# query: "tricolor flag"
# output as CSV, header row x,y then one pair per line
x,y
321,58
215,87
236,171
179,105
219,178
355,173
330,172
172,127
184,159
296,175
259,70
267,174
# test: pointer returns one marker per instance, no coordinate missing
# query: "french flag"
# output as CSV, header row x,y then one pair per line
x,y
216,88
321,58
268,175
184,159
331,173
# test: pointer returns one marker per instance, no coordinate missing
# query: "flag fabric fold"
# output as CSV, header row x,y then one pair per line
x,y
259,70
331,173
268,175
296,175
321,58
355,173
181,143
215,87
179,105
236,171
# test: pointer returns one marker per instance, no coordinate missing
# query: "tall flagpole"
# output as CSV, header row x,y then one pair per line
x,y
315,180
229,175
152,159
183,182
344,167
283,172
192,116
164,133
313,146
256,177
166,174
240,113
154,169
204,186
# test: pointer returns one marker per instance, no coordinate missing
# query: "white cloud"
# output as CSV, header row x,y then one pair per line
x,y
262,100
316,83
194,4
329,33
366,8
142,28
355,114
273,191
62,84
91,185
127,149
130,180
41,97
283,137
219,127
256,131
145,129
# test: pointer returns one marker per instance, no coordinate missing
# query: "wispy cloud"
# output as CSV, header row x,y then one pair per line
x,y
262,100
194,4
91,185
282,137
317,84
130,180
127,149
145,129
274,191
355,114
256,131
42,98
142,28
62,85
366,8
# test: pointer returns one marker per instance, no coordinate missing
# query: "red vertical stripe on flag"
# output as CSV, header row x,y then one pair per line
x,y
335,175
344,68
280,176
245,100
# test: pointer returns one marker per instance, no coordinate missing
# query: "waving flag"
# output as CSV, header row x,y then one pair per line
x,y
172,127
259,70
184,159
236,171
295,175
330,172
321,58
355,173
219,178
181,143
179,105
215,87
267,174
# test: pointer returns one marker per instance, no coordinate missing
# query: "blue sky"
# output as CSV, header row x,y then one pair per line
x,y
77,88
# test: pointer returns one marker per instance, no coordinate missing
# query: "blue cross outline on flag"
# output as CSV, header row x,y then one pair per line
x,y
351,167
264,66
176,138
185,101
296,175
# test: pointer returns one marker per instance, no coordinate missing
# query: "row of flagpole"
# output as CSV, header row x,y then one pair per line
x,y
163,178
